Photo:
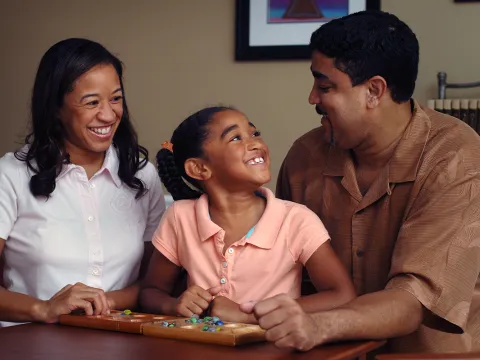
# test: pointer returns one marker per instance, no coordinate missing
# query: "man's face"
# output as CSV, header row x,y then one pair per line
x,y
342,105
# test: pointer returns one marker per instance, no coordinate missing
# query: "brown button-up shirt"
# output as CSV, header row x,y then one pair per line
x,y
417,228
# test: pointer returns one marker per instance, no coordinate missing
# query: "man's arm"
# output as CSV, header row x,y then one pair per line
x,y
380,315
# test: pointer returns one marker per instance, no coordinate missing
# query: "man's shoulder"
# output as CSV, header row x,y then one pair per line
x,y
310,144
452,148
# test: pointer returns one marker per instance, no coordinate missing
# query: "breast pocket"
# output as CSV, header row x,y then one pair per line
x,y
131,213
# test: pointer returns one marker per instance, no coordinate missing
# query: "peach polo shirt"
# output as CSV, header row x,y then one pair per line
x,y
266,262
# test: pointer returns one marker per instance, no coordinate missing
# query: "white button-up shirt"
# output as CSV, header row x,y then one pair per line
x,y
89,231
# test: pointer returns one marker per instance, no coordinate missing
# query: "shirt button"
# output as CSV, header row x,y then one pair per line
x,y
90,218
223,280
224,264
92,186
230,251
360,253
96,271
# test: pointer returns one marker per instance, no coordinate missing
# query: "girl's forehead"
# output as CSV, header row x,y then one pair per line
x,y
228,117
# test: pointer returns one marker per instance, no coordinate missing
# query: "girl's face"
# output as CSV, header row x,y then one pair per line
x,y
236,156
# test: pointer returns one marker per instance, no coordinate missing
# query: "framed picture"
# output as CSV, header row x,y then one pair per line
x,y
281,29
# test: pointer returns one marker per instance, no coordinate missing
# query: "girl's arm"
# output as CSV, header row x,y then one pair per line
x,y
330,278
127,298
158,284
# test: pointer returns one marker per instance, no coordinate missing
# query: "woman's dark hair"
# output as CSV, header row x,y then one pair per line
x,y
59,68
187,140
369,43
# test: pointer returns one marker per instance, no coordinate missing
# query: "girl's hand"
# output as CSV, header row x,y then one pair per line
x,y
195,300
228,310
72,297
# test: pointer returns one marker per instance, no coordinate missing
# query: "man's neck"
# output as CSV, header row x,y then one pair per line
x,y
382,141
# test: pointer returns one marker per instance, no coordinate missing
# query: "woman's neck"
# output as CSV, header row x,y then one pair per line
x,y
91,161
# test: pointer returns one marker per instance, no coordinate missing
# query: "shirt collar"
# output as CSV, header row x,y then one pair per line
x,y
110,164
404,163
265,232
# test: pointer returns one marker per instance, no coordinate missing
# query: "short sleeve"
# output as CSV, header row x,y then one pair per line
x,y
8,195
156,202
306,234
437,257
165,238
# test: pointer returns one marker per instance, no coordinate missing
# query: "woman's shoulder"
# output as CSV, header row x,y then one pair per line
x,y
11,165
147,173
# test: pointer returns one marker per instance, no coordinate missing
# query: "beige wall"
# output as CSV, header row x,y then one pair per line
x,y
179,58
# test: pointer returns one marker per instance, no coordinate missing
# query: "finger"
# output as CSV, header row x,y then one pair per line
x,y
182,310
214,290
62,291
104,307
285,342
98,303
91,295
194,308
266,306
105,302
273,319
279,331
248,307
201,303
78,303
197,290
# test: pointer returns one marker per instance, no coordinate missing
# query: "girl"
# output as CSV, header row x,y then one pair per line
x,y
236,241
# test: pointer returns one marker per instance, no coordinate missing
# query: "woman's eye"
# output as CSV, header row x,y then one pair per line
x,y
257,133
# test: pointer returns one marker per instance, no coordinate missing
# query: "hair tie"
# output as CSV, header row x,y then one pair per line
x,y
167,145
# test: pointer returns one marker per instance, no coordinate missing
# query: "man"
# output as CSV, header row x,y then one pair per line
x,y
397,187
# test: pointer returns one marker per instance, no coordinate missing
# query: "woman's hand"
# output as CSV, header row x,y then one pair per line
x,y
72,297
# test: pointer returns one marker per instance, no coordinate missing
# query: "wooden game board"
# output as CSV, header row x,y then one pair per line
x,y
114,322
230,334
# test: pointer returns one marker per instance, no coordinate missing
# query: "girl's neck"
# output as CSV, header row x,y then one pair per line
x,y
235,213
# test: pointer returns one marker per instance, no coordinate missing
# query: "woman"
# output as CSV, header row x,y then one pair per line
x,y
80,198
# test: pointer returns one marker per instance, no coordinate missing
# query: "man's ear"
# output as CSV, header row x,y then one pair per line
x,y
197,169
377,87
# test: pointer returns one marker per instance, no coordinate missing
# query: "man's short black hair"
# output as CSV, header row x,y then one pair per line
x,y
370,43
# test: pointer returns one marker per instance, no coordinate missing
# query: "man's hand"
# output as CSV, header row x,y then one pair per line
x,y
285,322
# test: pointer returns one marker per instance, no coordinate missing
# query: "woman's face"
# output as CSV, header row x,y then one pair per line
x,y
92,111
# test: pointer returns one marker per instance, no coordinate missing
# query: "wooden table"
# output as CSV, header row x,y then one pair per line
x,y
429,356
54,342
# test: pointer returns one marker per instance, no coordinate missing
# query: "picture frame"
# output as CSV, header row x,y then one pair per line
x,y
260,34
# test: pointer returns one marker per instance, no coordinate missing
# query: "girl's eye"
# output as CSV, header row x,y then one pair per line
x,y
235,138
